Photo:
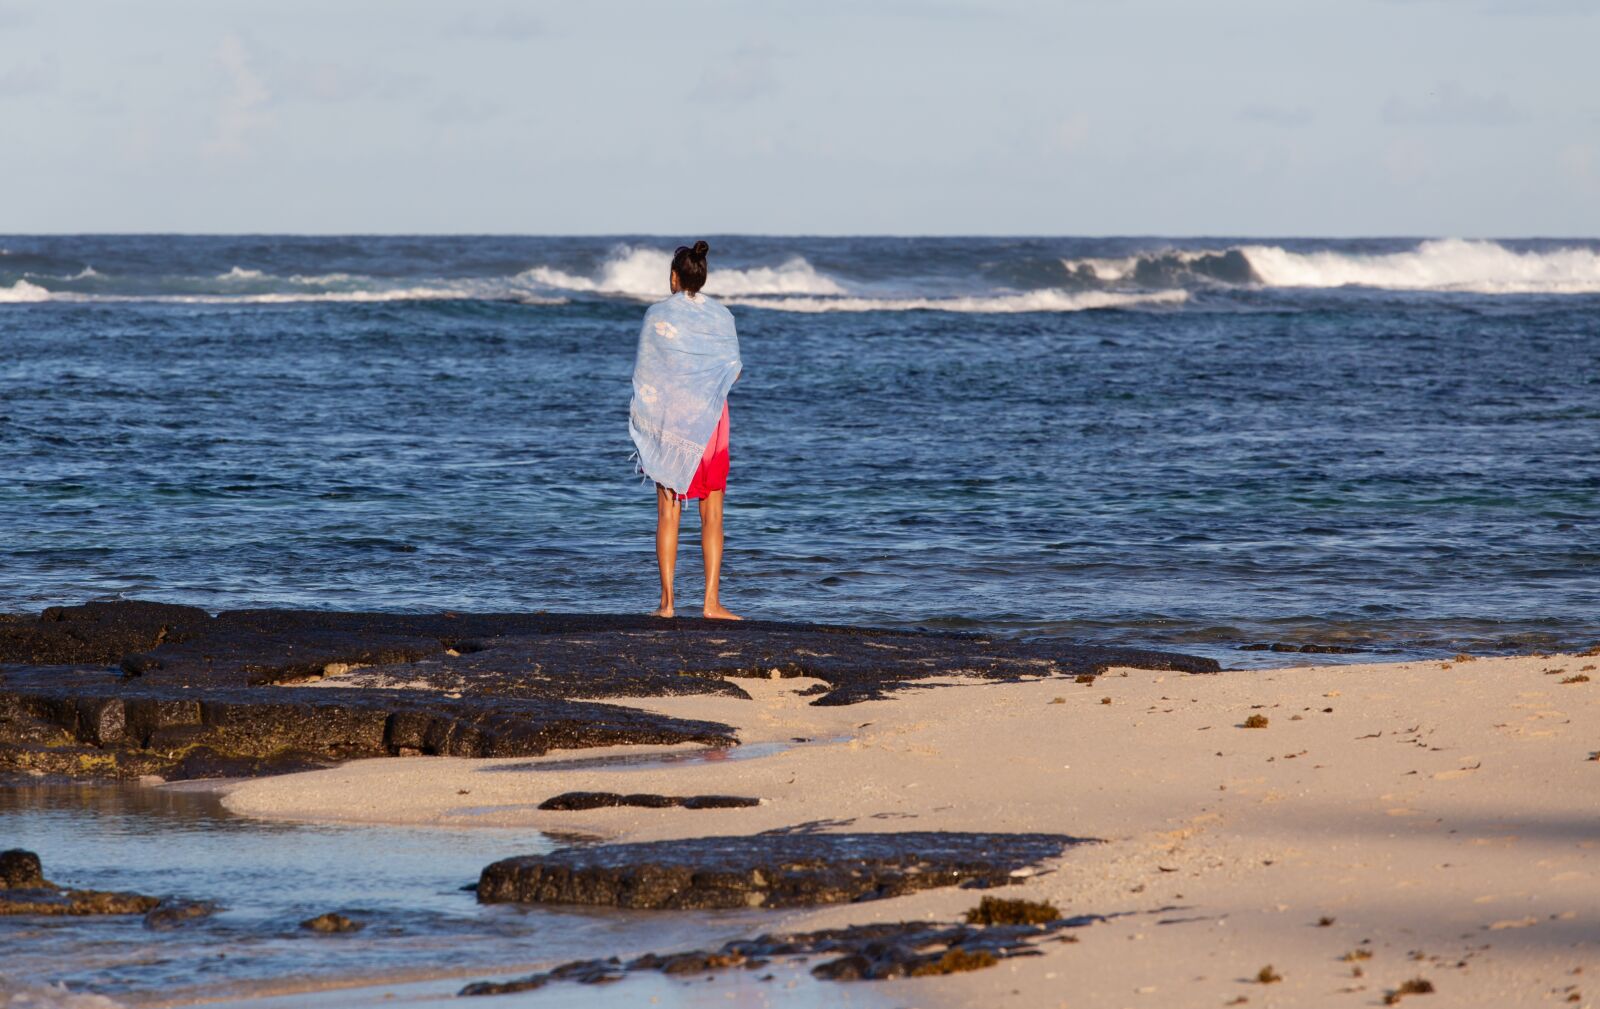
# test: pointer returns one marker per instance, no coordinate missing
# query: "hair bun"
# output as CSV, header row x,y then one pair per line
x,y
700,250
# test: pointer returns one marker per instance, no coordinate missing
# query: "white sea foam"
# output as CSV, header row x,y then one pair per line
x,y
391,294
289,297
1050,300
642,273
1442,265
1112,269
293,297
324,279
314,280
1451,264
21,292
1108,270
26,996
86,273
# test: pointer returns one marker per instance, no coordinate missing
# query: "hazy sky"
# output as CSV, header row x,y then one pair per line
x,y
1173,117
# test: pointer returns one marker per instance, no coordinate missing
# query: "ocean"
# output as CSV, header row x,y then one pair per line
x,y
1213,445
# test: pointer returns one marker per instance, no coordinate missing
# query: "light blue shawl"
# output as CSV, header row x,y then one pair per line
x,y
688,360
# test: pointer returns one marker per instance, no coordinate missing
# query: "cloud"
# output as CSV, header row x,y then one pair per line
x,y
260,81
1514,8
14,15
30,79
342,82
1277,115
498,26
743,76
1449,105
1581,163
1069,134
464,110
243,109
1540,8
94,103
1407,160
920,10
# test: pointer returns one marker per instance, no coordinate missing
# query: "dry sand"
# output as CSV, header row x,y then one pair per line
x,y
1439,820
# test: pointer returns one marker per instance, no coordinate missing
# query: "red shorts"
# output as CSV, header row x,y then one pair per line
x,y
713,472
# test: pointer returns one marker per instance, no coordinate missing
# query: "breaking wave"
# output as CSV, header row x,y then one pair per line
x,y
453,293
641,273
21,292
893,278
1445,265
1453,264
1029,301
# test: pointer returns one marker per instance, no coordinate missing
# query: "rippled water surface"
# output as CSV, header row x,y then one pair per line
x,y
1201,444
404,883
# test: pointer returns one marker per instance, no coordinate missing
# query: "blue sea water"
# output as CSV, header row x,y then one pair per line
x,y
1202,444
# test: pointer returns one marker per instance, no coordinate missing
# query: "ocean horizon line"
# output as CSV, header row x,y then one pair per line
x,y
935,235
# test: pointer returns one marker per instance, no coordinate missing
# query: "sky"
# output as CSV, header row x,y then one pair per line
x,y
1470,118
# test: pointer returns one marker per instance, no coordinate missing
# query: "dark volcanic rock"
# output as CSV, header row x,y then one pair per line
x,y
131,688
21,869
97,633
24,890
859,953
332,922
170,914
572,801
765,870
74,902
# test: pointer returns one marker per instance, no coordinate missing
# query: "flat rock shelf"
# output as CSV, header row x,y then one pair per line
x,y
858,953
128,688
25,891
797,868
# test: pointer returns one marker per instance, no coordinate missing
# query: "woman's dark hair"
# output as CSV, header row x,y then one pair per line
x,y
690,266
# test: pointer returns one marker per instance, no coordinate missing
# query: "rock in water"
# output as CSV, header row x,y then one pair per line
x,y
20,869
795,869
332,922
24,890
177,913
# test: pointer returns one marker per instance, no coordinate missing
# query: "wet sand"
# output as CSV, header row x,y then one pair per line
x,y
1443,817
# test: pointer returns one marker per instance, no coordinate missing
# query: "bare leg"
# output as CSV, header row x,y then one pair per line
x,y
668,511
711,548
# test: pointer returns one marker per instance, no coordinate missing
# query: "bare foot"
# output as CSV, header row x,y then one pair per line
x,y
665,611
717,611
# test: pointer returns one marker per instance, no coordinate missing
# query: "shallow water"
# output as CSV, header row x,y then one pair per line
x,y
653,760
942,432
405,883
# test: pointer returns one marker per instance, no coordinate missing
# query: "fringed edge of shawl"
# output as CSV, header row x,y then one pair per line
x,y
674,449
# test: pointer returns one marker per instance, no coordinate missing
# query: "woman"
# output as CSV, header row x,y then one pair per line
x,y
688,360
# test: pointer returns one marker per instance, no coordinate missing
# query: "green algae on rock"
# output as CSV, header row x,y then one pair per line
x,y
999,911
24,890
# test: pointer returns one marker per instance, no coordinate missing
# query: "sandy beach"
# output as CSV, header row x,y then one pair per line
x,y
1419,820
888,505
